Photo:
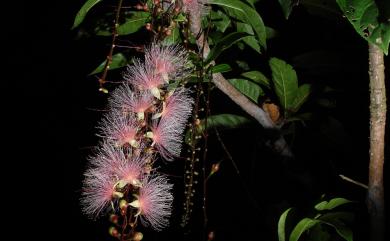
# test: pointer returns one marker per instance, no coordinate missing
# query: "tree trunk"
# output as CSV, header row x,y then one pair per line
x,y
375,198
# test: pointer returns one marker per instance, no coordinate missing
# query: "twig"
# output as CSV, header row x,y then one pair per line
x,y
353,181
102,79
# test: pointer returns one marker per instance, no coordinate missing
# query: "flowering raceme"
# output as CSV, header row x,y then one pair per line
x,y
145,120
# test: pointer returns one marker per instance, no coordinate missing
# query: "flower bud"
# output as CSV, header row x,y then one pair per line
x,y
114,218
138,236
123,204
113,232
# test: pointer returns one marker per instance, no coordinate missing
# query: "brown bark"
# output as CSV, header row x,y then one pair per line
x,y
375,198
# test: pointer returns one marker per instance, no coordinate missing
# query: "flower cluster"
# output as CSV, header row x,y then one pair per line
x,y
146,118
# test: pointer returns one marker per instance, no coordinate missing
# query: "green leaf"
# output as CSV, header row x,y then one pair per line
x,y
363,15
221,68
252,2
336,220
341,229
225,43
301,97
246,14
319,233
224,122
333,203
118,61
220,20
347,217
251,41
258,77
174,38
287,6
282,225
248,88
303,225
285,81
220,122
131,25
83,12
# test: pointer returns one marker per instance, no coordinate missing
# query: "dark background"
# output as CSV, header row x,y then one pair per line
x,y
60,104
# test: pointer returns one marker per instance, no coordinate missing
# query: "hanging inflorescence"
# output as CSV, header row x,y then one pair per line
x,y
146,119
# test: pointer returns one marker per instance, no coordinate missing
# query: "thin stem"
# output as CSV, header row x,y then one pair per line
x,y
345,178
230,157
102,79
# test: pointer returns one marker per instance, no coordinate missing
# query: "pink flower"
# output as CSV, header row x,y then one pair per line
x,y
143,78
178,107
168,132
120,129
131,171
128,101
155,202
100,180
110,170
98,191
170,62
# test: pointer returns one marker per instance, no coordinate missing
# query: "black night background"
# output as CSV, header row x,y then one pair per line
x,y
65,107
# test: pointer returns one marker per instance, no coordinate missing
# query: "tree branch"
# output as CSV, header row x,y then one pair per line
x,y
279,144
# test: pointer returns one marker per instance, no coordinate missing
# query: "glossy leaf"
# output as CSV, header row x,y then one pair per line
x,y
225,43
341,229
83,12
331,204
220,20
301,97
346,217
118,61
221,68
282,225
131,25
251,41
363,15
246,14
252,2
224,121
257,77
303,225
285,81
248,88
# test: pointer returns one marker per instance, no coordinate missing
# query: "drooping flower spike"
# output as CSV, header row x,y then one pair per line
x,y
154,202
132,102
120,128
